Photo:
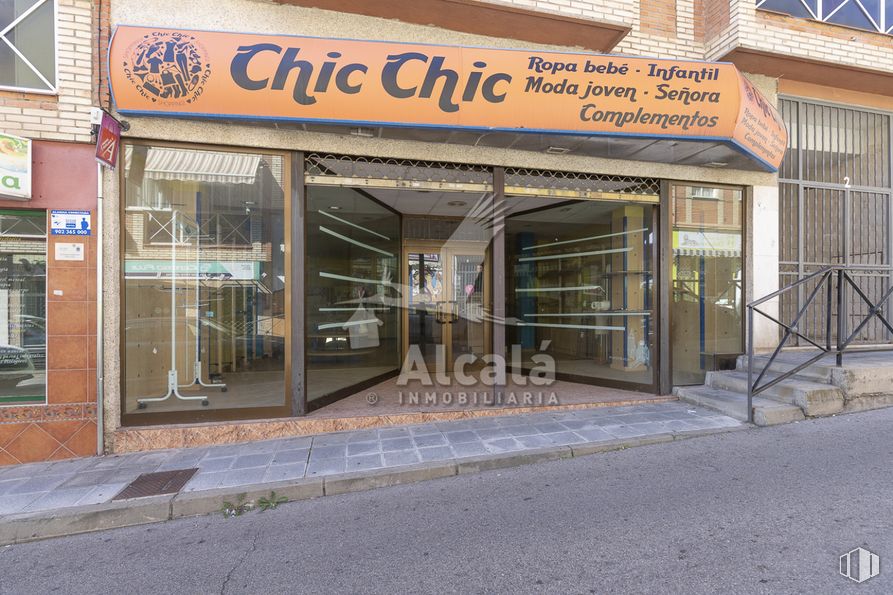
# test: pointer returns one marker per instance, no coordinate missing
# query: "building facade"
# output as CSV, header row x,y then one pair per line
x,y
48,402
265,258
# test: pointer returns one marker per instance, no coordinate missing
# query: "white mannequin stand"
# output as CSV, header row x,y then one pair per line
x,y
172,387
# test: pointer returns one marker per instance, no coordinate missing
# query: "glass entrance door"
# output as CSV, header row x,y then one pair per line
x,y
579,287
445,301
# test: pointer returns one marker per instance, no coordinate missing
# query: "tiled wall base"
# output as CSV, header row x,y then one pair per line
x,y
47,433
151,438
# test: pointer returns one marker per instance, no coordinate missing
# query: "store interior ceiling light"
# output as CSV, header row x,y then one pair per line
x,y
363,132
557,150
716,164
457,203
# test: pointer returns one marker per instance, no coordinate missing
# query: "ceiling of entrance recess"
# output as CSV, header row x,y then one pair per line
x,y
458,204
676,152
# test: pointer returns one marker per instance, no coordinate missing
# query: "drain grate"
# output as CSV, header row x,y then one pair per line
x,y
156,484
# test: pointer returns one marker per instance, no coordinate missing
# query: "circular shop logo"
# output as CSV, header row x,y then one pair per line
x,y
168,67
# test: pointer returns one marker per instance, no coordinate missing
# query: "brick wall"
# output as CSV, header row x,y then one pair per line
x,y
63,177
785,35
712,17
603,10
666,28
66,115
717,16
657,17
709,29
101,35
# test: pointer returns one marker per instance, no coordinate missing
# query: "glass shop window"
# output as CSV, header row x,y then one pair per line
x,y
706,312
23,281
204,319
579,278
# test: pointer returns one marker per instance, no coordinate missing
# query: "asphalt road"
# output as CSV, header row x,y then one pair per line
x,y
760,511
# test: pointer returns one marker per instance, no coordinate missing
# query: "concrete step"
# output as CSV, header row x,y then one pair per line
x,y
865,379
813,373
868,401
867,374
814,398
766,412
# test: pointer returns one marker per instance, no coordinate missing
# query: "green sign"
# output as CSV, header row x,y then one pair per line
x,y
15,166
210,269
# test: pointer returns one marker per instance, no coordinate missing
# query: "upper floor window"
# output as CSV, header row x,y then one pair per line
x,y
704,193
28,45
871,15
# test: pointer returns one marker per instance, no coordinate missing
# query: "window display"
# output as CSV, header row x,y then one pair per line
x,y
579,286
204,282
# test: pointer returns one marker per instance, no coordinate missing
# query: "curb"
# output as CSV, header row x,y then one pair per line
x,y
686,434
211,501
360,481
479,463
33,526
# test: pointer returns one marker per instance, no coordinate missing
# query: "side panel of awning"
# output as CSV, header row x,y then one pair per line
x,y
337,82
760,130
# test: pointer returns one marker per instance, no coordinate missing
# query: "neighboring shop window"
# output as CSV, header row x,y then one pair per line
x,y
23,281
707,294
205,278
28,45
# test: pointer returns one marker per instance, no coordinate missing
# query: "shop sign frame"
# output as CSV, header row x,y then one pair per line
x,y
404,85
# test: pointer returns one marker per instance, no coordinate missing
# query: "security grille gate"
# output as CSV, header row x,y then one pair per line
x,y
835,208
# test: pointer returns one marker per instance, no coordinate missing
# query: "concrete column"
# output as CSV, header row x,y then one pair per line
x,y
762,261
111,287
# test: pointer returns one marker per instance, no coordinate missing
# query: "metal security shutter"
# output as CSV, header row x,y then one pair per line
x,y
835,197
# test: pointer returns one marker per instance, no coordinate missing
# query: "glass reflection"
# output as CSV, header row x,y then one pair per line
x,y
579,283
353,251
707,295
204,281
22,307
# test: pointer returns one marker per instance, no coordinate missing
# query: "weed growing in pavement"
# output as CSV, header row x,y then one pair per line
x,y
264,503
271,503
231,510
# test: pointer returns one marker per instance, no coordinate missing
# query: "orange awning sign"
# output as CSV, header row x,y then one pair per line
x,y
206,74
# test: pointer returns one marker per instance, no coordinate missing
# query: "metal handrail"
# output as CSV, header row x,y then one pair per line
x,y
787,288
827,275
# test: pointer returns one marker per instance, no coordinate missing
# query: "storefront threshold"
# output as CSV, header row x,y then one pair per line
x,y
385,405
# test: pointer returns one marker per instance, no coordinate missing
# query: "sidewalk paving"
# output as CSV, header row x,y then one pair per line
x,y
96,480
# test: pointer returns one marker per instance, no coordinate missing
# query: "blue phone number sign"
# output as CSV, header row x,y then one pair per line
x,y
70,223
